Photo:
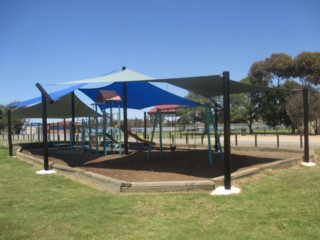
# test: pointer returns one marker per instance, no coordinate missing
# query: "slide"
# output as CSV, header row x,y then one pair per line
x,y
111,138
135,136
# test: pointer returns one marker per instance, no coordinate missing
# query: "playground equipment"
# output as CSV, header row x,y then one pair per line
x,y
209,120
111,137
167,111
137,137
105,132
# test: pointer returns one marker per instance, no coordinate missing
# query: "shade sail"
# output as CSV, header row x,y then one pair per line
x,y
211,86
125,75
139,95
55,96
207,86
32,108
60,109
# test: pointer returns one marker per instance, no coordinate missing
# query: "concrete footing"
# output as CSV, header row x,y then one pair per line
x,y
222,191
43,172
308,164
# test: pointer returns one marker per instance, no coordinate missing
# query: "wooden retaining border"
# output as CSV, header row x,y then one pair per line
x,y
281,164
115,185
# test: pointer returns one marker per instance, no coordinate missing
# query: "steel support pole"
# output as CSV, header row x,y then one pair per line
x,y
90,133
119,133
104,130
306,124
216,127
97,130
45,97
160,132
73,124
227,150
45,134
9,133
145,125
111,128
208,114
64,131
125,117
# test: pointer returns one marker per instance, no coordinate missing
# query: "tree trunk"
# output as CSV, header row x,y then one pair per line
x,y
250,126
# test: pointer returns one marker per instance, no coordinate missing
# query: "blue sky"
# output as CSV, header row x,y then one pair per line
x,y
50,41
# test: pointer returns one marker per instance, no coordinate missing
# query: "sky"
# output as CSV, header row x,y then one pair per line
x,y
50,41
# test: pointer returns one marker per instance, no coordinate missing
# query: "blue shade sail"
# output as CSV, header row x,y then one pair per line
x,y
140,95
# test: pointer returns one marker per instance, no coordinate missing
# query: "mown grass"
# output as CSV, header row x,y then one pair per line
x,y
282,205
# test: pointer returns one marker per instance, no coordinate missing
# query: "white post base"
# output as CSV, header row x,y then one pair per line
x,y
41,172
308,164
222,191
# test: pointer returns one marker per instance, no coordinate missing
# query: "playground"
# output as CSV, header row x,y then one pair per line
x,y
101,145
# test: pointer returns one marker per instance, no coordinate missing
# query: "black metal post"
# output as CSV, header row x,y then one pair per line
x,y
64,130
9,133
255,140
145,125
45,134
125,118
216,126
236,138
45,97
38,132
72,126
227,150
306,124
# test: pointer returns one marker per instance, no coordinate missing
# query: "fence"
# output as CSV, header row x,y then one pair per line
x,y
197,138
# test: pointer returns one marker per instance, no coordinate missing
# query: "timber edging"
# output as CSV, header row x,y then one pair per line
x,y
281,164
115,185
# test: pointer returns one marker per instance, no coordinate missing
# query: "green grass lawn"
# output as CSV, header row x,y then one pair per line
x,y
283,205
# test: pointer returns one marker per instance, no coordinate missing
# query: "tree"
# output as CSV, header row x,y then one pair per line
x,y
191,115
258,74
280,66
294,108
2,118
135,122
244,108
280,71
271,110
307,68
16,124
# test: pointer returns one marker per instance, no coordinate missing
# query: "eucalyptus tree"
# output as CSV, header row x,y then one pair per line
x,y
307,68
190,115
280,67
2,117
294,108
245,108
16,124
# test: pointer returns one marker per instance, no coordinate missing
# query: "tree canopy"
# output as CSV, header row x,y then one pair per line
x,y
287,75
284,73
16,124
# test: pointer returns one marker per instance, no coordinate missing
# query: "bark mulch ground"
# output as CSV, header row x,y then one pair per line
x,y
180,165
